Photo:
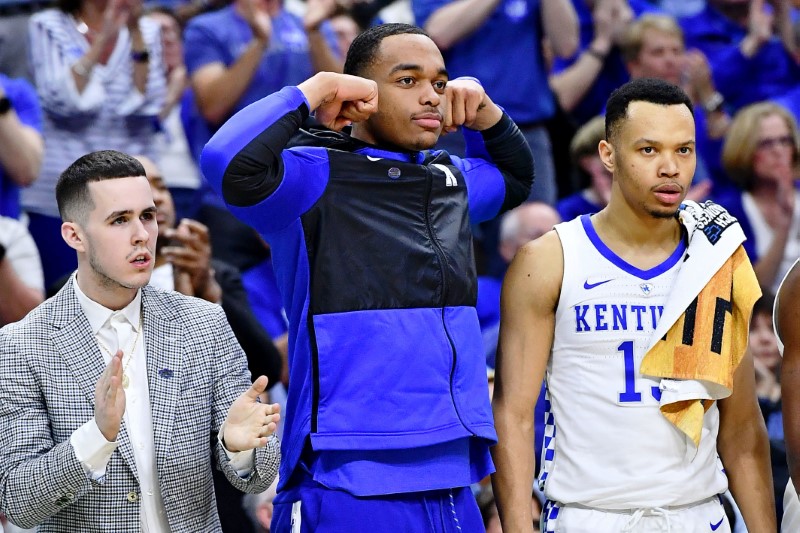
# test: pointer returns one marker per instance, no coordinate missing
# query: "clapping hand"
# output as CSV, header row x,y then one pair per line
x,y
119,13
258,19
109,399
318,11
134,9
250,423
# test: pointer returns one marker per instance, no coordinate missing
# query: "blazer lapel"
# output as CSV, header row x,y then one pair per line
x,y
71,340
162,335
74,341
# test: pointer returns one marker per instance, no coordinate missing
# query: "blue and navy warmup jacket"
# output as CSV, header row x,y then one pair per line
x,y
372,251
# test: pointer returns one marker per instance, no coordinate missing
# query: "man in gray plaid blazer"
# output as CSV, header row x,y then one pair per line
x,y
94,438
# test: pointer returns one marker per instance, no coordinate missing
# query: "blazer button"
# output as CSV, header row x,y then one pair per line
x,y
133,497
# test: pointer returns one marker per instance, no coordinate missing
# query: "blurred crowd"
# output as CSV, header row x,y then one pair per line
x,y
156,80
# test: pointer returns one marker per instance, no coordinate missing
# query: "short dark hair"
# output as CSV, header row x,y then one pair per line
x,y
649,90
72,191
365,46
765,304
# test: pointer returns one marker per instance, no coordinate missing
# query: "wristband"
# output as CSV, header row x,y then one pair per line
x,y
140,56
600,56
2,252
714,103
5,107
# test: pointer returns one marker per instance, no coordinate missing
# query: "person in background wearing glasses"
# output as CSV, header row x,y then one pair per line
x,y
760,156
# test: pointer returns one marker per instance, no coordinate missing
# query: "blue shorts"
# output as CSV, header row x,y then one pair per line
x,y
323,510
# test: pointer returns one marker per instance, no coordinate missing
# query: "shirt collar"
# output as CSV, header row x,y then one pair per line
x,y
98,315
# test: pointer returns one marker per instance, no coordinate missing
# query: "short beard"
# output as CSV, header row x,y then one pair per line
x,y
106,281
420,145
662,215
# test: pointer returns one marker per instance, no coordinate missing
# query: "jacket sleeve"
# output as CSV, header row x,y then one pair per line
x,y
247,163
38,478
498,169
232,378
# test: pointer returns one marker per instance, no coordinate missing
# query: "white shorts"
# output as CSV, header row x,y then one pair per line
x,y
791,509
707,516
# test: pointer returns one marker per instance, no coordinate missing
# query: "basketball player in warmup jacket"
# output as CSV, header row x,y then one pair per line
x,y
581,304
388,414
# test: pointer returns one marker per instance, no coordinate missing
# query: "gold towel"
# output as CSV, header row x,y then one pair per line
x,y
708,341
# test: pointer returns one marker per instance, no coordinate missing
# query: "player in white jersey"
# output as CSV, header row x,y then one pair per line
x,y
786,318
580,306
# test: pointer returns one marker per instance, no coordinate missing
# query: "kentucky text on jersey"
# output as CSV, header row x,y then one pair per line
x,y
616,317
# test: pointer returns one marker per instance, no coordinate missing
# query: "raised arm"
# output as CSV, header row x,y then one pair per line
x,y
246,160
66,79
527,322
574,82
495,146
560,24
323,56
217,86
768,264
450,23
21,144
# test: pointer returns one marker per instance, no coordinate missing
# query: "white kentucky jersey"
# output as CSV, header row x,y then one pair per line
x,y
606,443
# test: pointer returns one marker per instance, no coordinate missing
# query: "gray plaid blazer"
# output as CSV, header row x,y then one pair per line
x,y
49,365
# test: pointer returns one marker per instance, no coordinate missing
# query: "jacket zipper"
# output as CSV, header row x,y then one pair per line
x,y
314,371
442,267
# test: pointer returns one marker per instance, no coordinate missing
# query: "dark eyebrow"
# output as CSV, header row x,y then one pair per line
x,y
405,66
411,66
127,212
690,142
117,214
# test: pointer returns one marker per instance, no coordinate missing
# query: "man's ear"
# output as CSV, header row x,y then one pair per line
x,y
73,235
606,151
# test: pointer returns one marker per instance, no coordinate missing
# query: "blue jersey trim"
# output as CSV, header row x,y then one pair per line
x,y
606,252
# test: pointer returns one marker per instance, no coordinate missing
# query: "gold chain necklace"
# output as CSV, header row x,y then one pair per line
x,y
125,379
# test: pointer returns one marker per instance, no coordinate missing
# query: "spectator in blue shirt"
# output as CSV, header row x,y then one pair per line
x,y
749,59
582,83
500,43
186,9
250,49
21,146
234,57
